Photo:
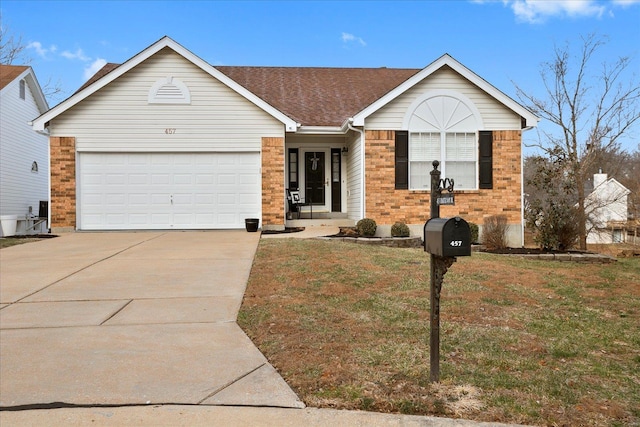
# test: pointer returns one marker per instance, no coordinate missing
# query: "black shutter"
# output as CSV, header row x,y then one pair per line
x,y
486,159
294,165
402,160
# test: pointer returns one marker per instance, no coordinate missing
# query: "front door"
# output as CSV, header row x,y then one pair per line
x,y
314,163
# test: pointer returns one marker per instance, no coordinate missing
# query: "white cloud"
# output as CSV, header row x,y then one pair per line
x,y
78,54
93,68
539,10
350,38
40,50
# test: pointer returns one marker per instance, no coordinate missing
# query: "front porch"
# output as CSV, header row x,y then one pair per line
x,y
320,222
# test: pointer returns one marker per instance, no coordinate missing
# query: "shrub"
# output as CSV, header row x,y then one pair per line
x,y
366,227
400,229
550,210
474,232
556,227
494,232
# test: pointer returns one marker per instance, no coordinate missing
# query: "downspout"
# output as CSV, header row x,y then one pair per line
x,y
362,165
46,133
522,221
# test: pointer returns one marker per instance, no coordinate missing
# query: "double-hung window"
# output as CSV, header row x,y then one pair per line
x,y
456,152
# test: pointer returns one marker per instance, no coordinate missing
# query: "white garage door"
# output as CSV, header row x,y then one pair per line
x,y
168,191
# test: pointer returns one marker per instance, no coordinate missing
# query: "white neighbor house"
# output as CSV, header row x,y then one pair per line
x,y
24,154
608,204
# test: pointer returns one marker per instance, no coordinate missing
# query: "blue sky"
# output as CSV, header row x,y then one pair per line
x,y
502,41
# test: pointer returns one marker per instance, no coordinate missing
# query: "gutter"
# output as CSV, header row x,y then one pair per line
x,y
362,165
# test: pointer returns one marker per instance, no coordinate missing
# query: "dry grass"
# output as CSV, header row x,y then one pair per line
x,y
6,242
532,342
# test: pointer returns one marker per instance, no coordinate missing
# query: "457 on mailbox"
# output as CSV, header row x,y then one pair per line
x,y
447,237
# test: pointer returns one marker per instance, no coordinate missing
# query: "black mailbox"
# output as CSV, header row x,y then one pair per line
x,y
447,237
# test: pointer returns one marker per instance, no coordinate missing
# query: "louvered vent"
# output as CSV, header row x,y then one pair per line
x,y
169,91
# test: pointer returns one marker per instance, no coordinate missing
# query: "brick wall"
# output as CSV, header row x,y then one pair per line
x,y
387,205
273,159
63,183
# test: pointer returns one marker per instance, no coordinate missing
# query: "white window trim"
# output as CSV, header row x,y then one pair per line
x,y
23,89
475,113
443,161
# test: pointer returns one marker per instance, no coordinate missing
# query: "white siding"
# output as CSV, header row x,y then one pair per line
x,y
354,177
20,146
494,114
119,118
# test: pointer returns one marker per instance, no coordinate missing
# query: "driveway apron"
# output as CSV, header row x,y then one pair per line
x,y
131,318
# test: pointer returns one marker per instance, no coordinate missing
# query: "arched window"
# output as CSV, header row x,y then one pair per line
x,y
169,90
34,167
443,126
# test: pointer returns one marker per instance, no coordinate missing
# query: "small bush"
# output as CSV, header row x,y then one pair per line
x,y
474,232
556,227
400,229
366,227
494,232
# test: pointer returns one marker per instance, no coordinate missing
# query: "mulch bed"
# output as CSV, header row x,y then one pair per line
x,y
530,251
285,231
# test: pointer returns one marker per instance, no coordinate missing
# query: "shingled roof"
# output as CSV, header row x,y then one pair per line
x,y
8,73
311,96
318,96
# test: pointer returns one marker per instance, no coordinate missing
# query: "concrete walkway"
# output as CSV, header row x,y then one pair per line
x,y
114,329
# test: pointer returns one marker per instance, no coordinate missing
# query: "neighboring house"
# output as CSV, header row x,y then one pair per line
x,y
168,141
607,208
24,154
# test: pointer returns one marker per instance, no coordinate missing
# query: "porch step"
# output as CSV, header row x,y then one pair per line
x,y
330,222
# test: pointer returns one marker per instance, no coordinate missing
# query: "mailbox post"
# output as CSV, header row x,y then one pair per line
x,y
444,239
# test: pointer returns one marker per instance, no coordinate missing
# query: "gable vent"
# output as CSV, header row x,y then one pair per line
x,y
169,90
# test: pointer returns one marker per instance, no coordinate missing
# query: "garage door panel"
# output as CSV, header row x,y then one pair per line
x,y
118,200
182,179
160,179
205,179
115,219
248,179
227,179
138,179
140,199
168,190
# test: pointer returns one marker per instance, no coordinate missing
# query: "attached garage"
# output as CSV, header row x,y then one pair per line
x,y
125,191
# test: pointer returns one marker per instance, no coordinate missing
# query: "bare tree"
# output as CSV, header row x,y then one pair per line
x,y
13,51
588,119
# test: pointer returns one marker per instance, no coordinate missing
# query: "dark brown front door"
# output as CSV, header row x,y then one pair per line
x,y
314,177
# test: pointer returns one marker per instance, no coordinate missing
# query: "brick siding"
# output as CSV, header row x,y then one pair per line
x,y
387,205
273,195
63,183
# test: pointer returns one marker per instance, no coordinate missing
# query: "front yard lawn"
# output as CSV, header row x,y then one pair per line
x,y
530,342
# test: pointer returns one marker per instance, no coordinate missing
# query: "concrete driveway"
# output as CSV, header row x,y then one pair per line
x,y
131,318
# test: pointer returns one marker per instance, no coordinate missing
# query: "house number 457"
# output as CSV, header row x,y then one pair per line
x,y
170,131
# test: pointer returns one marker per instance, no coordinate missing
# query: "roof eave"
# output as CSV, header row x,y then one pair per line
x,y
322,130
